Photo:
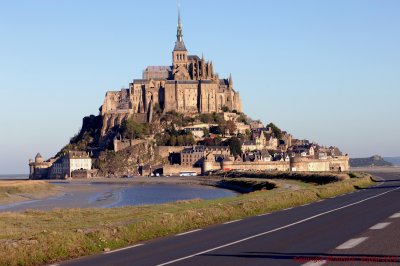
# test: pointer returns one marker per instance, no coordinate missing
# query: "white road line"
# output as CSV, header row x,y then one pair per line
x,y
396,215
306,204
181,234
379,226
263,214
234,221
116,250
380,179
314,263
352,243
276,229
287,209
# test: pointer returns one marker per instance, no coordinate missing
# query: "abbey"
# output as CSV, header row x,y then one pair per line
x,y
189,86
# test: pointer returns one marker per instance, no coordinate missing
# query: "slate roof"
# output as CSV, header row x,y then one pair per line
x,y
179,46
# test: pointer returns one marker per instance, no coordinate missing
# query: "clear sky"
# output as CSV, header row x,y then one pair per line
x,y
328,71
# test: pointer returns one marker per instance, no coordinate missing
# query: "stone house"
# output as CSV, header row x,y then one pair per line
x,y
75,160
195,155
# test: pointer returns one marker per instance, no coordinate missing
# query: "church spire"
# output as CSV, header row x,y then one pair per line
x,y
230,81
179,44
179,29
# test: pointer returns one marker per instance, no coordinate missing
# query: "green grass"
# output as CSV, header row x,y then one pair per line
x,y
10,188
42,237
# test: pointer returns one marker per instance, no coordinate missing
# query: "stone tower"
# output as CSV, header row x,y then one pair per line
x,y
179,54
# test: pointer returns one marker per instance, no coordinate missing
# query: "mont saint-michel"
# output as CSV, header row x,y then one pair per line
x,y
181,119
227,143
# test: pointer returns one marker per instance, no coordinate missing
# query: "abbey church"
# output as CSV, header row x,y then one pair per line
x,y
189,86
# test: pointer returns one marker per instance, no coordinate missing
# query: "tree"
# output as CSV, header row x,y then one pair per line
x,y
222,127
225,108
205,118
206,132
275,130
187,120
235,146
208,142
230,126
217,118
243,118
180,140
172,141
189,140
134,129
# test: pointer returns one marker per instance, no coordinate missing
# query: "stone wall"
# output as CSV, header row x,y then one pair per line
x,y
81,174
176,169
120,145
164,151
338,163
257,166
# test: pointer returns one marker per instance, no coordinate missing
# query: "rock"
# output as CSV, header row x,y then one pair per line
x,y
106,249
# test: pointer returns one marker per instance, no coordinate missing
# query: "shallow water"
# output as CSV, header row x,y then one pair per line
x,y
106,195
14,176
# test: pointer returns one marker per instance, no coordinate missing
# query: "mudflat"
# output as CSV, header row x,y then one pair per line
x,y
22,190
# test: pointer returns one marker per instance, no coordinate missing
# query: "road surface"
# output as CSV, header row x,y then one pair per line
x,y
362,227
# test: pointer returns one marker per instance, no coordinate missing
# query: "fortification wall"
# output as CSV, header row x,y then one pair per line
x,y
339,163
164,151
176,169
210,166
309,165
123,144
258,166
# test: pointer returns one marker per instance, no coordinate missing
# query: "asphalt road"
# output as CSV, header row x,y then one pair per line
x,y
320,233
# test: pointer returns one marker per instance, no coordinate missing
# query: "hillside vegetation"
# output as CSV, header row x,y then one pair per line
x,y
375,160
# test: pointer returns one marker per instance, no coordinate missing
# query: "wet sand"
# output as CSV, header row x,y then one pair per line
x,y
106,192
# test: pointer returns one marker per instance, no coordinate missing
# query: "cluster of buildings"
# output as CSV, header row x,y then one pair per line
x,y
74,164
261,150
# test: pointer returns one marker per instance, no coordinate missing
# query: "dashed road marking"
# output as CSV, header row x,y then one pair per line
x,y
276,229
396,215
352,243
314,263
379,226
263,214
234,221
116,250
185,233
287,209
